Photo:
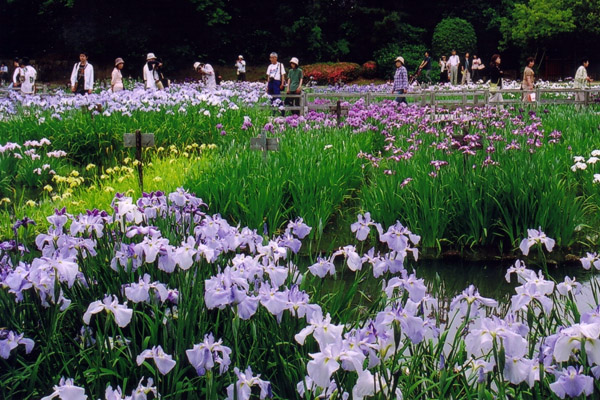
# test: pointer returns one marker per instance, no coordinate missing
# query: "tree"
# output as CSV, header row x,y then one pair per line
x,y
453,34
536,21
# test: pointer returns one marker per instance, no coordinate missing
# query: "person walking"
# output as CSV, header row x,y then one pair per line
x,y
16,77
400,80
454,62
240,66
29,75
528,81
294,84
82,77
466,70
476,68
443,70
426,68
3,73
495,80
581,78
148,72
116,81
275,79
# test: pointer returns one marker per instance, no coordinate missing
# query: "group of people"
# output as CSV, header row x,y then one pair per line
x,y
23,77
278,80
472,70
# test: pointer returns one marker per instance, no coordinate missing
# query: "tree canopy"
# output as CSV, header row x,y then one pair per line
x,y
314,30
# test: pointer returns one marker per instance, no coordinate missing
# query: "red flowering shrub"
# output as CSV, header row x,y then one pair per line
x,y
369,69
331,73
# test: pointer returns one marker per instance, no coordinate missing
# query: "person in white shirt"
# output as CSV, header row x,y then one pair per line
x,y
82,77
240,64
16,78
29,75
581,78
454,62
275,79
207,74
116,81
150,77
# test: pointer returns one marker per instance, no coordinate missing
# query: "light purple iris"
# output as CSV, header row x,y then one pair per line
x,y
110,304
362,227
471,297
163,361
203,356
322,267
9,341
535,236
573,383
66,390
243,386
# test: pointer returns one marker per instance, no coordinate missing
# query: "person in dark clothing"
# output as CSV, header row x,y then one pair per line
x,y
425,67
443,70
495,79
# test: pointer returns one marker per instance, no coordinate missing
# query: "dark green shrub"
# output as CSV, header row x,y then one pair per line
x,y
453,33
412,54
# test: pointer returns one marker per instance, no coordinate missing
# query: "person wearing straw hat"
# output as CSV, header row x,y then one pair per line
x,y
148,72
294,84
82,77
581,78
400,80
116,81
207,73
240,65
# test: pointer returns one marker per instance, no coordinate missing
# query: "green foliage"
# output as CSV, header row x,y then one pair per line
x,y
532,22
453,34
412,53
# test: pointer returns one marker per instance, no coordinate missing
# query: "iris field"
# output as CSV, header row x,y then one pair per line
x,y
294,275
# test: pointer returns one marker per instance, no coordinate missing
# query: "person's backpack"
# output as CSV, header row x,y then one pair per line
x,y
218,77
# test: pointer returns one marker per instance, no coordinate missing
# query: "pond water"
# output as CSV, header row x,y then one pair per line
x,y
452,277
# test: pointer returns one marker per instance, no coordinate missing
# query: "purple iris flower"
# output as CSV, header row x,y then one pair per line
x,y
571,382
203,356
322,267
163,361
9,341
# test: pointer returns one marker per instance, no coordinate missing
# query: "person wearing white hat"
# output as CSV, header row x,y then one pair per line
x,y
294,84
207,74
275,79
116,81
400,80
82,77
148,72
240,64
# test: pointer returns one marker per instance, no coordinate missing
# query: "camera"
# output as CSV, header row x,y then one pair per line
x,y
154,64
271,79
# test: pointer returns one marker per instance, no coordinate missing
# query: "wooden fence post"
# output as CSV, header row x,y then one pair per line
x,y
138,157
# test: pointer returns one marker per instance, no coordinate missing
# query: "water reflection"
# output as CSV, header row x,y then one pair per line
x,y
446,279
